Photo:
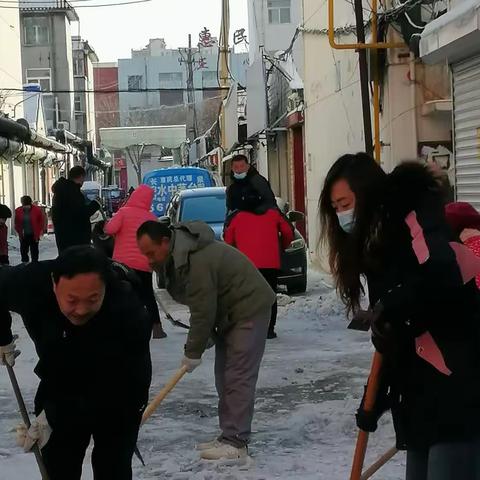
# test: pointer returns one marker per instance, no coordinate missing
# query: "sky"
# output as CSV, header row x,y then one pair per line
x,y
114,31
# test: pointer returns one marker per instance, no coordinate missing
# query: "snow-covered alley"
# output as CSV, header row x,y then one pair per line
x,y
309,388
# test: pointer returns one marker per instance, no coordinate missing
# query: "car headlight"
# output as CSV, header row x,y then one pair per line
x,y
296,244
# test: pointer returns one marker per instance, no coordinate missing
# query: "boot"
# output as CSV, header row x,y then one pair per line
x,y
208,445
224,451
158,331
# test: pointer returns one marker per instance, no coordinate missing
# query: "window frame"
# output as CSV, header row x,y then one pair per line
x,y
140,82
278,11
36,28
37,78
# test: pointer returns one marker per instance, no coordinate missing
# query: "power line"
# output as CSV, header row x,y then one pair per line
x,y
139,90
29,8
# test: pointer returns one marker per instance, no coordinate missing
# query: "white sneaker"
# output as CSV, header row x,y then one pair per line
x,y
224,451
208,445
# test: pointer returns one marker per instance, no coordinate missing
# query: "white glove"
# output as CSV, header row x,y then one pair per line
x,y
39,432
8,353
191,363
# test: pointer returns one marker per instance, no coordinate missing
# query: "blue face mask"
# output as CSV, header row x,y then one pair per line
x,y
240,176
347,220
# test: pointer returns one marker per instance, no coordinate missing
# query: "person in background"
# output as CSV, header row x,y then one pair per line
x,y
424,308
30,226
260,237
71,212
248,187
5,214
465,223
123,226
229,301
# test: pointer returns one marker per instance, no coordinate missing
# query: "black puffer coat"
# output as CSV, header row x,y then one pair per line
x,y
71,214
103,366
254,190
412,269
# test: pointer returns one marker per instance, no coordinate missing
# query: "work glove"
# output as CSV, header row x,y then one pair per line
x,y
39,432
368,421
191,363
8,353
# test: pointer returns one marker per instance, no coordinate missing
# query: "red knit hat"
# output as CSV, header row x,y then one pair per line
x,y
461,215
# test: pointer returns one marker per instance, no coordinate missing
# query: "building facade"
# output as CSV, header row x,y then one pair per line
x,y
47,57
84,57
156,67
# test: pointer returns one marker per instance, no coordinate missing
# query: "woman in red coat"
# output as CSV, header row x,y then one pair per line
x,y
30,226
260,237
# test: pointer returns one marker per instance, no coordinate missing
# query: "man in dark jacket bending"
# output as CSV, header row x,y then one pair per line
x,y
71,212
91,334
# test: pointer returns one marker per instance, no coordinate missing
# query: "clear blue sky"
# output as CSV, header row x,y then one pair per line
x,y
114,31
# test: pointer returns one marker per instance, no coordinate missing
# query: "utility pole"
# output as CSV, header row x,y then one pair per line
x,y
362,59
187,58
223,73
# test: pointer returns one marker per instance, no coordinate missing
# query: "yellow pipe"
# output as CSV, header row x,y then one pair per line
x,y
354,46
376,96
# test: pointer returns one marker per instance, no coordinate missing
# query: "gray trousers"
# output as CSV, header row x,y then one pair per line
x,y
445,461
238,355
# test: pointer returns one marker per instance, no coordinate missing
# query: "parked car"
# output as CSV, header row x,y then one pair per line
x,y
114,198
208,205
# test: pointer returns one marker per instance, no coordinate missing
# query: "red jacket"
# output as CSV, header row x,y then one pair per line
x,y
257,236
37,219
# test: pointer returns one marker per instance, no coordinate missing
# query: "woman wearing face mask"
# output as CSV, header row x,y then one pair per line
x,y
424,313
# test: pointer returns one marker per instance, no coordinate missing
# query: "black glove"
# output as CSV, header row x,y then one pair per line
x,y
368,421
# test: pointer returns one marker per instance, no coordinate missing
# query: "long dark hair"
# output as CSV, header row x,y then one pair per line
x,y
345,251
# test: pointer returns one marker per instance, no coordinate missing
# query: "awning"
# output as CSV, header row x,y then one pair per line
x,y
119,138
454,36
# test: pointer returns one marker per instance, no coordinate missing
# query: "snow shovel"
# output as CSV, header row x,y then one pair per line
x,y
153,405
375,467
369,404
163,393
26,419
175,323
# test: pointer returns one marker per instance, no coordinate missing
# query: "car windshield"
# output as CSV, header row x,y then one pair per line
x,y
209,209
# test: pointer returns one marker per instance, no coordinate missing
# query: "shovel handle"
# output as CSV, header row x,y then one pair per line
x,y
375,467
26,419
368,405
163,393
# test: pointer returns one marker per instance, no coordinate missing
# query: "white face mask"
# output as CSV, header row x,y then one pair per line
x,y
240,176
346,220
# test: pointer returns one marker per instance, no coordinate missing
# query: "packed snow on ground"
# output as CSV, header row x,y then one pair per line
x,y
309,388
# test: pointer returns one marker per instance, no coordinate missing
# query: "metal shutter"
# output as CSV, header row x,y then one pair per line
x,y
466,111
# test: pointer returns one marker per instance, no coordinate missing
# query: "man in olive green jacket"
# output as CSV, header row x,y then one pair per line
x,y
230,301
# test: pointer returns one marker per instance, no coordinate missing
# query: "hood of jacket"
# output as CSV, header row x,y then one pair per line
x,y
63,185
141,198
189,237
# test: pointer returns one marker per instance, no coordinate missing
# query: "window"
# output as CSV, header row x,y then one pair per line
x,y
42,76
36,31
79,66
135,82
173,77
171,98
278,11
209,209
78,104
